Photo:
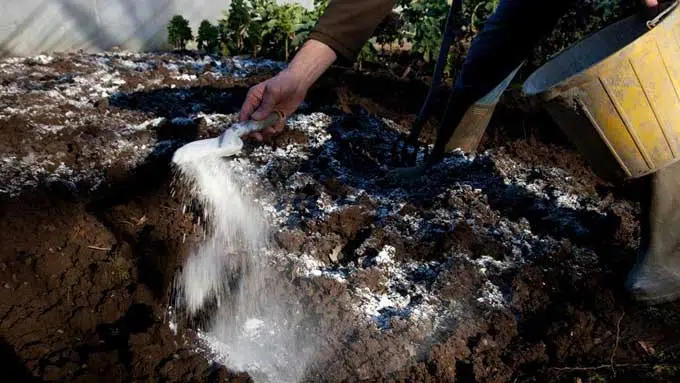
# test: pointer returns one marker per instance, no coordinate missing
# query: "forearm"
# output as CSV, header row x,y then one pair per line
x,y
347,25
310,62
342,30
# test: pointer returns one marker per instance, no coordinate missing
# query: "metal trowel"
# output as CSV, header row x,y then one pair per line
x,y
227,144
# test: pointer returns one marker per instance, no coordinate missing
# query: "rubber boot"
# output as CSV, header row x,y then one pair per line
x,y
472,126
656,276
471,129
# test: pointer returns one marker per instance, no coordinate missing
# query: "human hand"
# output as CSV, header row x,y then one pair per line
x,y
651,3
283,92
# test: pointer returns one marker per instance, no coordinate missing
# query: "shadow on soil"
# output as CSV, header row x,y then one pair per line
x,y
116,336
182,102
155,248
136,208
15,369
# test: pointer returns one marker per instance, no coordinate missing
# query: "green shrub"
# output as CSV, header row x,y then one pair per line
x,y
584,19
425,21
283,25
223,34
237,25
179,32
265,28
368,53
309,19
390,31
475,12
208,37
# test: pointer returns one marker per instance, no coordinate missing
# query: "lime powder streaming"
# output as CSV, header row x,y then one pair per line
x,y
228,267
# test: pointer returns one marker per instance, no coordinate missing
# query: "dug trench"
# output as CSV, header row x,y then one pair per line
x,y
516,256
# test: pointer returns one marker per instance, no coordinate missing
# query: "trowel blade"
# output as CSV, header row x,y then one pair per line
x,y
225,145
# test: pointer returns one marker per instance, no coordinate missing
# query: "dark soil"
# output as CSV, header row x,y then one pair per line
x,y
86,273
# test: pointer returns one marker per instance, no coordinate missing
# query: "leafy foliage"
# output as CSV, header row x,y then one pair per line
x,y
238,26
308,21
208,37
265,28
581,21
368,53
475,12
281,29
179,32
391,31
424,25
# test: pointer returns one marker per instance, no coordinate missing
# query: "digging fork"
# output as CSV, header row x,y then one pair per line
x,y
406,152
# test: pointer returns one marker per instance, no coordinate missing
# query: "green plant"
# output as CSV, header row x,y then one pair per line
x,y
259,26
273,27
424,25
582,20
261,11
477,11
367,53
179,32
237,25
208,37
263,27
390,31
223,33
308,21
609,9
284,25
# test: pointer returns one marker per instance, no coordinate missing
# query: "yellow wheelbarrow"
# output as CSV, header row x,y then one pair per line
x,y
616,94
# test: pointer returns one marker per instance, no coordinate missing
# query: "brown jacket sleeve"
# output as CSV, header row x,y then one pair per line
x,y
346,25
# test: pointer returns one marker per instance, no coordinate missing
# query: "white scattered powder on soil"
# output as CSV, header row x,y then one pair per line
x,y
253,338
96,76
418,303
542,183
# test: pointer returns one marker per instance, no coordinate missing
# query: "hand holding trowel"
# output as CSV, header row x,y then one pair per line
x,y
228,143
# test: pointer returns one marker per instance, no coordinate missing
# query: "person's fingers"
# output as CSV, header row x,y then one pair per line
x,y
253,99
269,100
652,3
251,102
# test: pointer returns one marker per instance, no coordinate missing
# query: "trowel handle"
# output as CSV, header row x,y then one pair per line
x,y
272,119
253,126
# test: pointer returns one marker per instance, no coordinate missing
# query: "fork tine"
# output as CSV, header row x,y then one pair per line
x,y
447,39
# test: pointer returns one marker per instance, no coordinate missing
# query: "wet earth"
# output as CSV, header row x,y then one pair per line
x,y
501,266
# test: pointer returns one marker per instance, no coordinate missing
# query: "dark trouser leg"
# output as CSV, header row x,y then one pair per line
x,y
507,39
656,276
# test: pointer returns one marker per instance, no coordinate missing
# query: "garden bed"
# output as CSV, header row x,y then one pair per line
x,y
506,266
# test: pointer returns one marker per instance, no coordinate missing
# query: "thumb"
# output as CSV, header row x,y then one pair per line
x,y
269,101
651,3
